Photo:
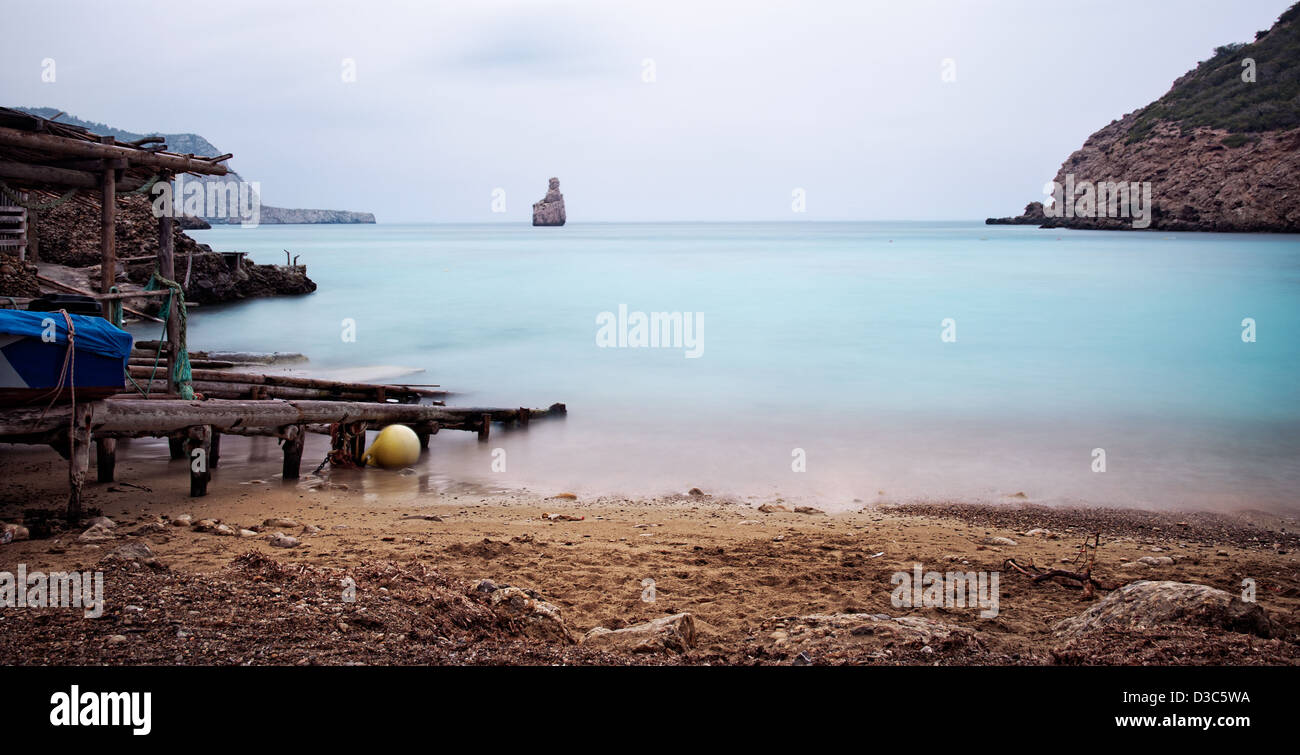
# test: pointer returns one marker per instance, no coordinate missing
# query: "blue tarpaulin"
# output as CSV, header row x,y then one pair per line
x,y
33,344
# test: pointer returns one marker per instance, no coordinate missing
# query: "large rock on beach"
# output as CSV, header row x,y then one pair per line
x,y
674,633
550,211
1149,604
532,617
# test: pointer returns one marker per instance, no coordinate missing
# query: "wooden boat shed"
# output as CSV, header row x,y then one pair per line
x,y
41,158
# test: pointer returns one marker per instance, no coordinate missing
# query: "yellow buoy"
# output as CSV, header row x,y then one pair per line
x,y
396,447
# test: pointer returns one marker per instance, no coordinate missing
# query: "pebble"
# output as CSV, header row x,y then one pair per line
x,y
999,541
281,540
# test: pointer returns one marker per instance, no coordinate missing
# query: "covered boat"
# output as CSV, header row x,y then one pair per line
x,y
34,359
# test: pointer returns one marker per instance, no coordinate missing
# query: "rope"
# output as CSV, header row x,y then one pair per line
x,y
182,376
157,358
66,375
142,188
115,308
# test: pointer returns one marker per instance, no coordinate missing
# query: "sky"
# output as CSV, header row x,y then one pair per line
x,y
646,111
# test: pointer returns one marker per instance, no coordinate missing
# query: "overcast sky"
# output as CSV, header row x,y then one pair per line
x,y
749,100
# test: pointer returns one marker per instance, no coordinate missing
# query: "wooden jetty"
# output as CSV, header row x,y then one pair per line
x,y
71,430
41,159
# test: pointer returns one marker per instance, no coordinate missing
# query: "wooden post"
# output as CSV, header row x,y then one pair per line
x,y
485,428
294,435
199,438
105,458
423,435
33,237
214,456
176,446
107,232
524,415
79,461
167,269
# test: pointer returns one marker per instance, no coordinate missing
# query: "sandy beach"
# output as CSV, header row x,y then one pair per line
x,y
770,586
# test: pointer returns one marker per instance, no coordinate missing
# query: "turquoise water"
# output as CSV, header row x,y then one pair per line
x,y
824,337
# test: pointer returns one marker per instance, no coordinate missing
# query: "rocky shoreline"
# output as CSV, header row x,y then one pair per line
x,y
68,238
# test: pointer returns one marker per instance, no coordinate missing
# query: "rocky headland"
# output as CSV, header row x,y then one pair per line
x,y
1220,150
68,239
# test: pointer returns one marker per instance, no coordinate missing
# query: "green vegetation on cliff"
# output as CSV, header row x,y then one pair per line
x,y
1215,94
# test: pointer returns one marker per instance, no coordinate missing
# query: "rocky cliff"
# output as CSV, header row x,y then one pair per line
x,y
550,211
1220,151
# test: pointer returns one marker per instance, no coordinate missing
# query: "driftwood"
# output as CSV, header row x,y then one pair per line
x,y
1075,580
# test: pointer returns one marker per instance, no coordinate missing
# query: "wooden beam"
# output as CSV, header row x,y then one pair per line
x,y
83,292
58,145
288,381
58,177
107,230
157,418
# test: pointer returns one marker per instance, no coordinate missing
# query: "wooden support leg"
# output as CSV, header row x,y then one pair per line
x,y
199,439
176,445
293,441
423,436
485,428
78,462
105,458
214,456
524,416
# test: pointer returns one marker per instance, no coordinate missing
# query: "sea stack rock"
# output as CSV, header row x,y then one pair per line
x,y
550,211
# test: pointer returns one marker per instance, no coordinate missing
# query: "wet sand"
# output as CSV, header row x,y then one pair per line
x,y
743,574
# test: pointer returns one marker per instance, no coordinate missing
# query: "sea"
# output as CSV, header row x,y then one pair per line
x,y
839,364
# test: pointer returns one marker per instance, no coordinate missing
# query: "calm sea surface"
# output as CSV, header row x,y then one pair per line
x,y
820,342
